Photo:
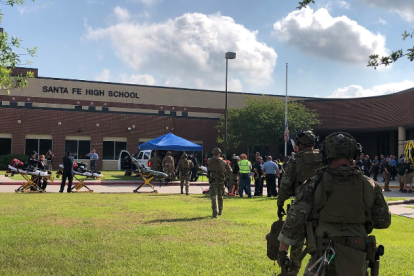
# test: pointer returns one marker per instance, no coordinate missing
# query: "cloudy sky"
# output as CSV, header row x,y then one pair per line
x,y
181,43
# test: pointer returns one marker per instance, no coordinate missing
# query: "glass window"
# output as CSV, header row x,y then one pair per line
x,y
72,146
140,155
78,148
41,146
5,146
44,146
84,149
31,145
108,150
119,146
112,149
146,155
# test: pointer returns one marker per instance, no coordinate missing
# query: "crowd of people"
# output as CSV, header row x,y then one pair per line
x,y
390,168
336,224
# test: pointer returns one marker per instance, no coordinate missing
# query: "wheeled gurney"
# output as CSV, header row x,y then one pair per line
x,y
80,173
31,174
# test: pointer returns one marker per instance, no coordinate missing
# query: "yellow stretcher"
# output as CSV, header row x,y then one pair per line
x,y
81,176
33,178
147,175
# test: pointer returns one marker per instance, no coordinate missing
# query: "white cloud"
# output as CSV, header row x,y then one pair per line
x,y
137,79
146,2
188,51
33,8
106,76
339,3
405,8
122,14
337,38
355,91
381,21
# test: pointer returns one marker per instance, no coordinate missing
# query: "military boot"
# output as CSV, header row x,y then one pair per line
x,y
220,212
214,214
181,190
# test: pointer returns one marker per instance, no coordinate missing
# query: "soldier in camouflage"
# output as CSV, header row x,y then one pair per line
x,y
217,172
339,207
168,165
184,167
297,171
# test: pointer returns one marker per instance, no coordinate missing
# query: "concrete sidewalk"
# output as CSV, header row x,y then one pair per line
x,y
406,210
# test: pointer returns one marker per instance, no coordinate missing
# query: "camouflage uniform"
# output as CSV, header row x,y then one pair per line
x,y
185,172
156,163
217,171
168,165
296,173
371,210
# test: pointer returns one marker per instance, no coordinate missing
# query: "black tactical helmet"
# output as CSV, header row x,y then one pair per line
x,y
33,153
306,138
340,144
216,151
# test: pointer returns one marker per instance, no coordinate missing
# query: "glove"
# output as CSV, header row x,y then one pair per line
x,y
282,258
280,211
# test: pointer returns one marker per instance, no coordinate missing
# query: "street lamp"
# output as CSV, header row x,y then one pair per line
x,y
229,55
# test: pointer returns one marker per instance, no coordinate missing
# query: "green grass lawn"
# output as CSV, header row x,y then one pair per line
x,y
152,234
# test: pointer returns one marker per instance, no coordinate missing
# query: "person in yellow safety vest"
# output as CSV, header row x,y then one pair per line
x,y
245,181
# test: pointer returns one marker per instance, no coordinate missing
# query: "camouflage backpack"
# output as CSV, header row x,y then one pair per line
x,y
185,165
272,239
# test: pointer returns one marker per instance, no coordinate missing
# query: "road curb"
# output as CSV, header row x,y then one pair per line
x,y
399,202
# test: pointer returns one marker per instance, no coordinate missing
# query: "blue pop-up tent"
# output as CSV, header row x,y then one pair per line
x,y
170,141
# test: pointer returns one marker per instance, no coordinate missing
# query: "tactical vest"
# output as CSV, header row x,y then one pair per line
x,y
168,161
185,166
307,163
214,166
244,166
342,198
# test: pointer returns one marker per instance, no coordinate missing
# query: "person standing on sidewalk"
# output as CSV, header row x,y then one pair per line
x,y
375,167
245,181
408,177
184,167
93,156
49,160
386,175
270,170
258,179
67,172
401,175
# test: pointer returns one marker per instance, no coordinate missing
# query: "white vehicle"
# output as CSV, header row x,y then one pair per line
x,y
125,163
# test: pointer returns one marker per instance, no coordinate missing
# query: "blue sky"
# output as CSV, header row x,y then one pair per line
x,y
181,43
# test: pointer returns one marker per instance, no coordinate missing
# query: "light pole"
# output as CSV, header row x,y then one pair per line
x,y
229,55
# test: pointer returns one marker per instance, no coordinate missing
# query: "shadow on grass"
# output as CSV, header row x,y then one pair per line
x,y
177,220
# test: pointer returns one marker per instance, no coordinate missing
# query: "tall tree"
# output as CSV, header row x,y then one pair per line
x,y
376,60
262,122
10,58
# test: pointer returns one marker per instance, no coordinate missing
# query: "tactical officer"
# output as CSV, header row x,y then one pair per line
x,y
168,165
306,162
184,167
217,171
339,207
